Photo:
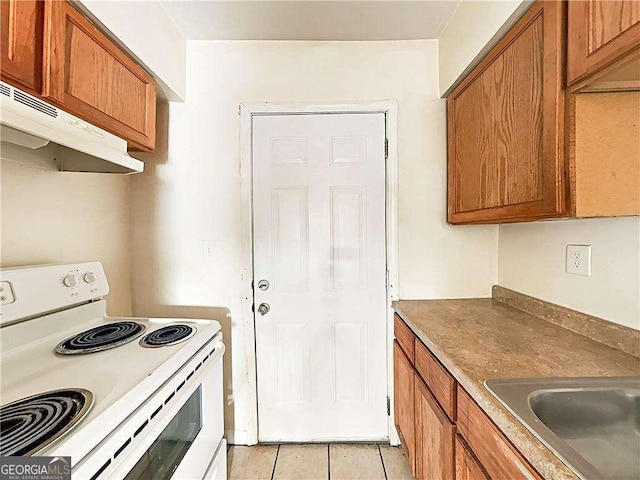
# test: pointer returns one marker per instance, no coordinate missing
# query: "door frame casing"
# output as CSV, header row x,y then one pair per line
x,y
247,316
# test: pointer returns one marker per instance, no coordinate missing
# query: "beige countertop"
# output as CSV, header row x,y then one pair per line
x,y
480,339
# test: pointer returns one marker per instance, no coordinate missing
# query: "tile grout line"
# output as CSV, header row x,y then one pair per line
x,y
328,461
384,470
275,462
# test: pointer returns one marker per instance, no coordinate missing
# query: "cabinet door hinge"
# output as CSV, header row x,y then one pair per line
x,y
388,407
386,148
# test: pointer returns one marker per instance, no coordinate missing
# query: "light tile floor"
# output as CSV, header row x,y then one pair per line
x,y
317,461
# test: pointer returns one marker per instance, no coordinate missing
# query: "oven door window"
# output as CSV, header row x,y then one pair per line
x,y
165,454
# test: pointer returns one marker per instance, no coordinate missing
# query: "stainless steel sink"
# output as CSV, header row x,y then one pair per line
x,y
592,424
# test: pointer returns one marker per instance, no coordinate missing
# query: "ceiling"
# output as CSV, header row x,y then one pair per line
x,y
310,20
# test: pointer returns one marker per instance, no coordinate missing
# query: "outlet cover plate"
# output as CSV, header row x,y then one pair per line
x,y
579,260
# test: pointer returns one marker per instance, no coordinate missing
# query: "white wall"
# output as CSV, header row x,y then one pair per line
x,y
53,217
190,191
469,31
532,261
148,32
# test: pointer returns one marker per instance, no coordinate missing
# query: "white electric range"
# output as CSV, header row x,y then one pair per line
x,y
123,397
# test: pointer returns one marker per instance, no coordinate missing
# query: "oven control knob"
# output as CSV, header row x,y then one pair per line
x,y
90,277
70,281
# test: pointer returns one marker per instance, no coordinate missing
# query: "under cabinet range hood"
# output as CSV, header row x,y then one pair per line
x,y
75,145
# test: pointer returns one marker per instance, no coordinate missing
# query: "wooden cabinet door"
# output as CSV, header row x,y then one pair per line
x,y
434,437
467,466
494,451
600,32
506,126
403,388
21,45
88,75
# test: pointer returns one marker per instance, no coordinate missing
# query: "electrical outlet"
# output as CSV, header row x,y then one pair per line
x,y
579,260
207,250
6,294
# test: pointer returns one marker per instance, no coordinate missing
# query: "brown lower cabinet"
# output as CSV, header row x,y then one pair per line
x,y
467,465
434,437
456,440
403,386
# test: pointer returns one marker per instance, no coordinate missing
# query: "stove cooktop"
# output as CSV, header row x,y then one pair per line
x,y
52,313
102,337
31,424
121,379
169,335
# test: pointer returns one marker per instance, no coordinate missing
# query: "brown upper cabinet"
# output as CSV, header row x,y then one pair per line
x,y
54,52
603,45
520,149
506,125
87,73
21,43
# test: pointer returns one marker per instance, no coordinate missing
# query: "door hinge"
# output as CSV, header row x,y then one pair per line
x,y
388,407
386,148
387,278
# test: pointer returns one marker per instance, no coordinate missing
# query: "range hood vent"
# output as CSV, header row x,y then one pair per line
x,y
34,103
30,123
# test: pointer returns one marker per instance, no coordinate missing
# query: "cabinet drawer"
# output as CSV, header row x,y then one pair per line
x,y
498,457
437,378
404,337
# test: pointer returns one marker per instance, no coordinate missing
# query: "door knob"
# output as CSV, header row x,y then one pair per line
x,y
263,285
264,308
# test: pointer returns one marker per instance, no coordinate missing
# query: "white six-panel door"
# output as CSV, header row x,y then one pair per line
x,y
319,242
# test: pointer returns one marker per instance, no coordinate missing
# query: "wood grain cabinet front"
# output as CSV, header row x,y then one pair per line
x,y
21,43
496,454
405,338
603,45
444,432
506,123
86,74
404,409
440,382
434,437
467,465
